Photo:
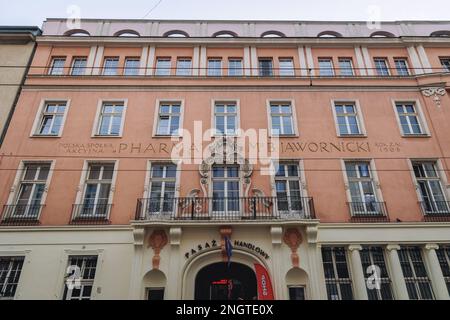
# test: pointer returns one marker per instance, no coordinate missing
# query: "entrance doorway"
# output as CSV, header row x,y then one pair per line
x,y
218,281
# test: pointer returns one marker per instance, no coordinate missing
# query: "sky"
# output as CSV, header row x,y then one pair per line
x,y
34,12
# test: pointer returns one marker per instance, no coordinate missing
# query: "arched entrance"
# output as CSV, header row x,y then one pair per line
x,y
218,281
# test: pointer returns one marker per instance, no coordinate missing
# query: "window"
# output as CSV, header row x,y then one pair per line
x,y
432,195
57,66
287,184
415,275
85,266
155,294
162,188
215,67
409,118
381,66
163,67
33,181
225,189
51,119
443,254
445,62
326,67
184,67
401,65
10,270
347,119
97,191
110,119
110,66
235,67
281,117
373,256
362,190
132,66
169,119
225,118
297,293
346,66
337,275
265,67
79,66
286,67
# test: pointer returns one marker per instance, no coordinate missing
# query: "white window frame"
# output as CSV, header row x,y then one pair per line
x,y
359,116
332,69
116,70
213,117
440,171
183,72
158,68
226,179
96,127
352,68
420,117
408,69
64,263
294,117
238,72
134,71
72,67
374,174
156,117
52,66
38,118
444,68
26,265
215,72
386,63
82,184
288,72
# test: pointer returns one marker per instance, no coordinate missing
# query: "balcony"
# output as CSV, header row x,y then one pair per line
x,y
88,213
225,209
370,211
21,214
435,210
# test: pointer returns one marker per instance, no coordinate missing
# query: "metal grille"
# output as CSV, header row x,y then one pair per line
x,y
10,270
443,254
86,266
373,256
337,275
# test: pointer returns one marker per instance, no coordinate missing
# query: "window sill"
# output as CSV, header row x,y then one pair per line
x,y
45,136
106,136
166,136
416,135
352,136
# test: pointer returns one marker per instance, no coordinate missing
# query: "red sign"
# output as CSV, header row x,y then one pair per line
x,y
265,291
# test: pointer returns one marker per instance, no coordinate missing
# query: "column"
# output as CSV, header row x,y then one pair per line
x,y
196,61
98,60
310,60
367,61
415,61
357,272
143,61
203,61
398,283
435,272
254,61
247,61
90,60
360,67
302,59
150,61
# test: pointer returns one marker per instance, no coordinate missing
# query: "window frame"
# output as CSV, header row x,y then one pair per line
x,y
295,127
116,69
377,71
336,279
241,69
236,102
52,67
39,117
271,71
290,70
359,116
25,254
332,68
83,281
408,69
156,117
216,72
184,73
135,70
444,68
149,182
420,118
97,120
72,66
352,67
370,250
158,69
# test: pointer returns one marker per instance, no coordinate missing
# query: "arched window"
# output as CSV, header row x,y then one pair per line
x,y
225,34
382,34
329,34
176,34
76,33
273,34
127,33
440,33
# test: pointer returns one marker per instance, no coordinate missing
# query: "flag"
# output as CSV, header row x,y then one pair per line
x,y
228,250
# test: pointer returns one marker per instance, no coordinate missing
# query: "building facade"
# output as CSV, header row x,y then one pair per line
x,y
16,49
124,174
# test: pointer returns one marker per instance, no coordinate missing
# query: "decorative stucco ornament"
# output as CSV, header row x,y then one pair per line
x,y
157,241
436,92
292,238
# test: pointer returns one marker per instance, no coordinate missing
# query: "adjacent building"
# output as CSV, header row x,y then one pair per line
x,y
123,175
16,49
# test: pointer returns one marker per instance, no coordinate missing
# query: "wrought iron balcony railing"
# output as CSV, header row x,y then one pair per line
x,y
368,210
435,209
239,208
90,213
21,214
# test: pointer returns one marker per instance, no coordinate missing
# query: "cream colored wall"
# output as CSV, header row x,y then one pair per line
x,y
47,250
11,55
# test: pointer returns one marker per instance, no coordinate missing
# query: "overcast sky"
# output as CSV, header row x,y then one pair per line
x,y
34,12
